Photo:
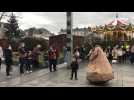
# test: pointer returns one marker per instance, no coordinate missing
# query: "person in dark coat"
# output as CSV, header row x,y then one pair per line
x,y
64,53
74,67
55,57
8,60
132,54
35,56
109,51
50,58
29,62
82,52
22,58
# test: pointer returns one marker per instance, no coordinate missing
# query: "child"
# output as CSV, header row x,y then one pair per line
x,y
74,67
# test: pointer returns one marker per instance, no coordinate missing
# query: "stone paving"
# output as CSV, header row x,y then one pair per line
x,y
124,77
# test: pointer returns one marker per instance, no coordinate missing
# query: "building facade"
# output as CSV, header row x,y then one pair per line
x,y
78,31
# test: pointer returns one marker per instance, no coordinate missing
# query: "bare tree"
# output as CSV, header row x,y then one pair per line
x,y
91,39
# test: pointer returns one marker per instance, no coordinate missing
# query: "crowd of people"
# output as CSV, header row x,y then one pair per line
x,y
120,54
27,58
30,58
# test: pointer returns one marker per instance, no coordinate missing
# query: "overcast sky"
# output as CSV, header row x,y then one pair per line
x,y
54,21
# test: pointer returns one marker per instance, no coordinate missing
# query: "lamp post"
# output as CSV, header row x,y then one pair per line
x,y
69,41
132,35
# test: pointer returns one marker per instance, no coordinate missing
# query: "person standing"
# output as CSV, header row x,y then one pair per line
x,y
8,60
110,58
124,56
64,53
127,54
74,67
35,53
120,54
22,59
52,59
55,58
82,52
132,54
1,55
29,62
114,55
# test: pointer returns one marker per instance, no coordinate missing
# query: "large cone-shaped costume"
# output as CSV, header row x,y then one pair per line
x,y
99,69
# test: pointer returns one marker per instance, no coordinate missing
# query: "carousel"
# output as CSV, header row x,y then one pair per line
x,y
119,30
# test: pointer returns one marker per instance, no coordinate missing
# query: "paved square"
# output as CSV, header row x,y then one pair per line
x,y
124,77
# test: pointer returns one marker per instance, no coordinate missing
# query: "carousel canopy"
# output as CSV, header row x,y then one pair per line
x,y
118,22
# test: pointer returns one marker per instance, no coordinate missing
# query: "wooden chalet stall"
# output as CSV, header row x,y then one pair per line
x,y
60,40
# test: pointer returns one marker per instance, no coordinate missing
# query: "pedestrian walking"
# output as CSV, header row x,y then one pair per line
x,y
1,55
8,60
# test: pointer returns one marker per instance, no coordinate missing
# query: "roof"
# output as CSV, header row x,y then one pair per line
x,y
118,21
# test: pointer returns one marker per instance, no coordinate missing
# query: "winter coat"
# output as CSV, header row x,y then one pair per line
x,y
8,56
74,65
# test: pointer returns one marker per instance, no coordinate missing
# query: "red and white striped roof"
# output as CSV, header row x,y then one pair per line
x,y
118,22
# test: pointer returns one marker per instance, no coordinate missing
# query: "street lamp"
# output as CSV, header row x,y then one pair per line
x,y
132,35
69,39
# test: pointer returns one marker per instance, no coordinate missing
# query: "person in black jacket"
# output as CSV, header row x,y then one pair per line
x,y
74,67
29,62
8,60
22,58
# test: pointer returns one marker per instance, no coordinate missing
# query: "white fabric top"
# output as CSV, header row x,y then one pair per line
x,y
120,53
